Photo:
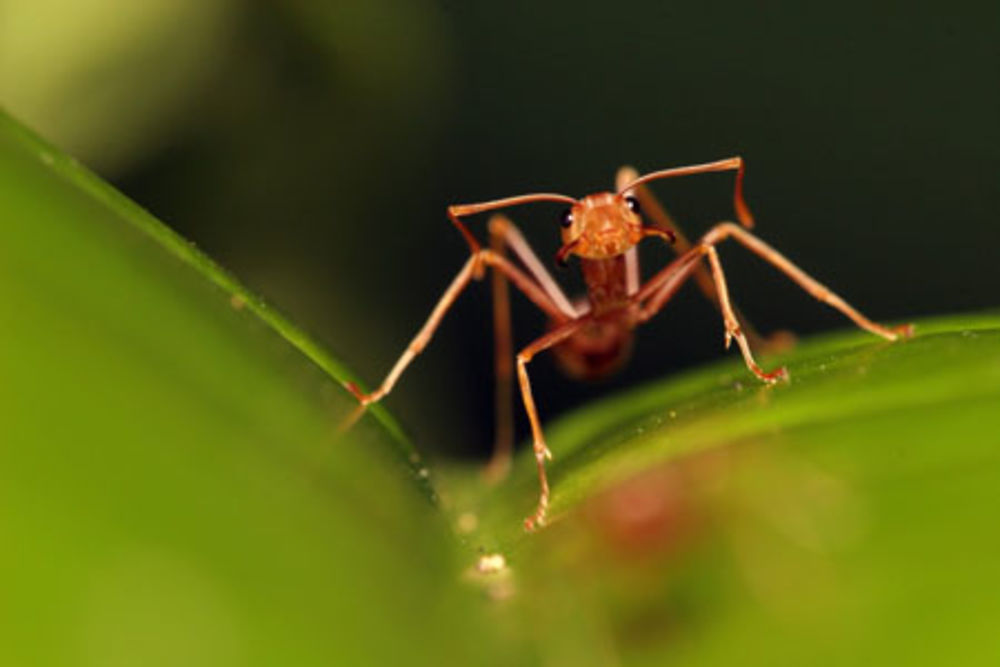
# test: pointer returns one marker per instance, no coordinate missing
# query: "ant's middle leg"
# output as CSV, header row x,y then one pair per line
x,y
504,236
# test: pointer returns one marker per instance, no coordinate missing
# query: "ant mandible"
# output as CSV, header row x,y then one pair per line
x,y
592,337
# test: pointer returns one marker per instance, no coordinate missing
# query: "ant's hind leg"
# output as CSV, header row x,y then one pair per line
x,y
503,355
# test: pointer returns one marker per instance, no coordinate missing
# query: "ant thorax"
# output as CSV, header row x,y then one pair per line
x,y
607,284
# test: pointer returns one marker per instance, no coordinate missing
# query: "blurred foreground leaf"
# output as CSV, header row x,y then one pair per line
x,y
171,488
844,518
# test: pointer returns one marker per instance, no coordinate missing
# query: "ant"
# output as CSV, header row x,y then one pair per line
x,y
592,336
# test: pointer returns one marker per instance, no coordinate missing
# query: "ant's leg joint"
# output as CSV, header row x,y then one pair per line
x,y
498,224
720,232
538,519
454,213
364,399
733,331
904,330
480,260
356,391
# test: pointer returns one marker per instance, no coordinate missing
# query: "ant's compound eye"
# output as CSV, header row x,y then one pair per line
x,y
633,204
566,218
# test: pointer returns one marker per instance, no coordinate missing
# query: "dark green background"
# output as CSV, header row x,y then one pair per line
x,y
316,152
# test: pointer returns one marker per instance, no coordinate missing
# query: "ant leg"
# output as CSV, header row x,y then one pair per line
x,y
503,235
666,283
816,289
542,452
473,267
655,212
503,356
662,287
732,324
509,235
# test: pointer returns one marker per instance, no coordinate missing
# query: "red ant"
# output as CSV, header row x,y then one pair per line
x,y
592,337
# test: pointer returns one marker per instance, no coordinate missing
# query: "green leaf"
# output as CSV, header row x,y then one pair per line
x,y
846,517
171,487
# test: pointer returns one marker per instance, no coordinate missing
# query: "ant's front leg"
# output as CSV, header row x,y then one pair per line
x,y
473,268
733,329
542,452
655,294
654,211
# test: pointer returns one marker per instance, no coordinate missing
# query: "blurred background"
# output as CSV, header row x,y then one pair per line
x,y
312,147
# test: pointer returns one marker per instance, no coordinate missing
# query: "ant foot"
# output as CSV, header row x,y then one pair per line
x,y
355,390
536,521
774,377
903,330
355,415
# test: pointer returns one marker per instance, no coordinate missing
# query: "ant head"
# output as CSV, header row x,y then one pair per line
x,y
596,227
600,226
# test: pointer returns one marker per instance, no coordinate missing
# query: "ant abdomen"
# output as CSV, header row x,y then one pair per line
x,y
597,350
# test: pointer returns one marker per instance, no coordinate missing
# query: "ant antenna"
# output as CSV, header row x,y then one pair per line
x,y
742,210
460,210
